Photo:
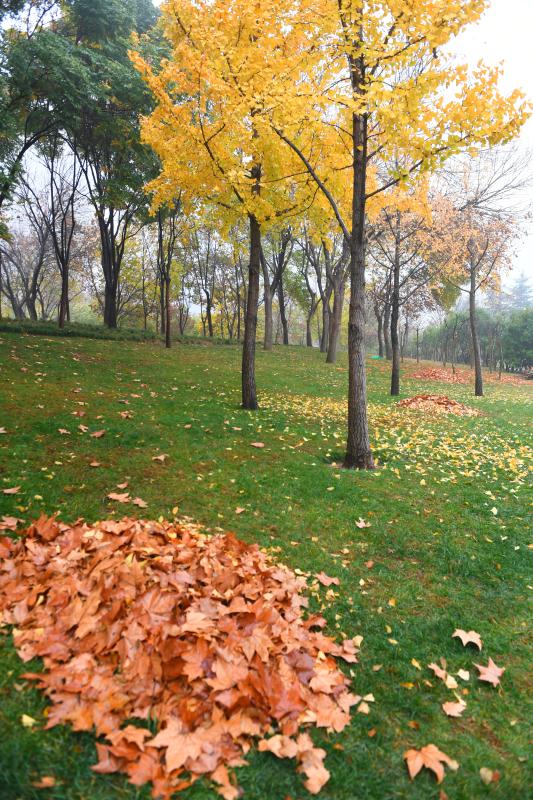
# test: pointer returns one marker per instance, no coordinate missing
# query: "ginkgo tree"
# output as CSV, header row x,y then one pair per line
x,y
359,86
210,131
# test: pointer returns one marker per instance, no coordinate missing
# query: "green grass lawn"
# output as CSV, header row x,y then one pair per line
x,y
449,511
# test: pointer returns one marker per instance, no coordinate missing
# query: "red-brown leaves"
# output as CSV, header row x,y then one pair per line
x,y
155,620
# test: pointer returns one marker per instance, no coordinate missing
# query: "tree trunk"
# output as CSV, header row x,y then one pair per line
x,y
358,453
335,324
324,339
473,332
395,343
395,316
163,305
249,395
379,317
63,302
208,310
110,305
269,322
167,313
386,331
282,312
309,332
417,347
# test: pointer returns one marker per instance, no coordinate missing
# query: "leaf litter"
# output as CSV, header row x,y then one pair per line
x,y
142,622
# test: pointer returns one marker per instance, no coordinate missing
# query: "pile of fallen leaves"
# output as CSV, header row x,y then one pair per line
x,y
159,623
464,376
430,403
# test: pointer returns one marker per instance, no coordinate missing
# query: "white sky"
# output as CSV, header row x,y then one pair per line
x,y
504,35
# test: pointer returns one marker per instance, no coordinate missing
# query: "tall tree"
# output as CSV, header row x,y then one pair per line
x,y
210,133
369,82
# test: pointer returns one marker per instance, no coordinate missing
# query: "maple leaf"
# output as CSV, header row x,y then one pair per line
x,y
9,523
97,434
162,458
140,503
468,637
123,485
13,490
259,445
491,673
325,580
361,523
450,681
119,498
95,464
430,757
240,510
452,709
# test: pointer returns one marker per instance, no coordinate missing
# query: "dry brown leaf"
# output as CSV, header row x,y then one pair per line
x,y
97,434
491,673
119,498
162,458
430,757
13,490
259,445
326,580
452,709
468,637
140,503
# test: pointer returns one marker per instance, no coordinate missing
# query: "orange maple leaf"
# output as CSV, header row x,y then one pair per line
x,y
491,673
430,757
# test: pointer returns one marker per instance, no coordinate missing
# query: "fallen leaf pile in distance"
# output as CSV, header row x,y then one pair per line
x,y
157,622
430,403
464,376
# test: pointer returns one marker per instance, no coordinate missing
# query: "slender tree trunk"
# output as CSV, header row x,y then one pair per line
x,y
269,322
282,311
386,331
394,321
379,318
358,453
335,323
473,332
208,310
324,339
417,346
395,342
63,303
167,314
163,305
309,331
249,395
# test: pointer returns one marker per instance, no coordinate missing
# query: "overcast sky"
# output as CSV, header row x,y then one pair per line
x,y
504,34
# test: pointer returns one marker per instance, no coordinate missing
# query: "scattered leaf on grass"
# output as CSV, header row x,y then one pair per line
x,y
491,673
452,709
28,722
97,434
46,782
13,490
140,503
468,637
326,580
489,775
430,757
119,498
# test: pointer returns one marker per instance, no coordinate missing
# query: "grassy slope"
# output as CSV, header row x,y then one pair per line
x,y
440,553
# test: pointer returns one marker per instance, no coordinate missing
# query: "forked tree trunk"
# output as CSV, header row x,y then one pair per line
x,y
358,453
249,394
